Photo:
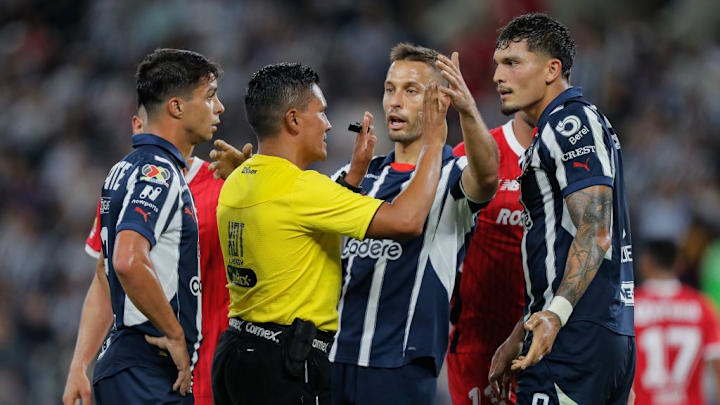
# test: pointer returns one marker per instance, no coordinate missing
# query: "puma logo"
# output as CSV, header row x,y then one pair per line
x,y
187,211
585,165
145,215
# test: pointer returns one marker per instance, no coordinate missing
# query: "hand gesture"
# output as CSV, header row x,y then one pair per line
x,y
500,376
433,115
362,152
178,352
77,387
545,326
227,158
457,90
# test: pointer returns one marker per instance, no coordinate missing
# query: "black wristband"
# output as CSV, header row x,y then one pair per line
x,y
341,181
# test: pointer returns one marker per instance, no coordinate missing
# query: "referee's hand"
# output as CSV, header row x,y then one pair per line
x,y
179,354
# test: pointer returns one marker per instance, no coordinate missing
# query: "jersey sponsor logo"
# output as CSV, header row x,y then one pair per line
x,y
373,248
259,331
155,174
114,178
104,205
627,293
143,213
195,286
569,125
145,204
583,165
509,185
235,234
506,216
626,254
241,277
150,192
247,170
578,152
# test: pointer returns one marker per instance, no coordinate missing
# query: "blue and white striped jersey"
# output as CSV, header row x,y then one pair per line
x,y
147,193
395,299
575,147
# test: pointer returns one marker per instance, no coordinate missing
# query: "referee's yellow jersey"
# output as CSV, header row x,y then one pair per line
x,y
280,230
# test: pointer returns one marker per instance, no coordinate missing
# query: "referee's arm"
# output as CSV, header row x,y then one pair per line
x,y
134,270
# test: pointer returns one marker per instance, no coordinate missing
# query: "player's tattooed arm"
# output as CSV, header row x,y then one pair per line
x,y
591,212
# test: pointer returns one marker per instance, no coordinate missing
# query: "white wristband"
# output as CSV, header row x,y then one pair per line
x,y
561,307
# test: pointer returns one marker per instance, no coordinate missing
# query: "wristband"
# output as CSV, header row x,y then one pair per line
x,y
561,307
341,181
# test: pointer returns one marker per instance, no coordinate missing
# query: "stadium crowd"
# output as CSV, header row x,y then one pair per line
x,y
66,76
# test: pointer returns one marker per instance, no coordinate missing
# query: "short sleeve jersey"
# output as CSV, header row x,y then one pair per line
x,y
280,231
677,332
575,147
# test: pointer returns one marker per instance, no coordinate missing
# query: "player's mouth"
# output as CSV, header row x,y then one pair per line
x,y
395,122
215,126
504,93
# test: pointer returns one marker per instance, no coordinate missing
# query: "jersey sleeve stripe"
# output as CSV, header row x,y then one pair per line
x,y
548,138
600,147
169,205
550,233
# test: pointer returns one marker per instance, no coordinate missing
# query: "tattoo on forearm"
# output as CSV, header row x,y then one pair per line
x,y
591,211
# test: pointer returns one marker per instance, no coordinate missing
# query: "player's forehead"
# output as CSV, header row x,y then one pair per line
x,y
318,96
403,72
512,50
206,85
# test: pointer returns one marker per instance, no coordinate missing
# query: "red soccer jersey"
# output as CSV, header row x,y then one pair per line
x,y
205,190
491,290
676,330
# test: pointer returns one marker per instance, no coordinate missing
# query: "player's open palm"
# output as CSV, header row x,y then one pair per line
x,y
545,326
459,93
178,351
433,115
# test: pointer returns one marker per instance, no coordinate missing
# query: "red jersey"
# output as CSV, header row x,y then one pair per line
x,y
676,329
205,190
490,294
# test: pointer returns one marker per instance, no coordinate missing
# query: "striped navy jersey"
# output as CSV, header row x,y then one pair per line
x,y
395,297
146,192
575,147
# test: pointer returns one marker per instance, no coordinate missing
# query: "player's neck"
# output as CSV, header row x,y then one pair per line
x,y
173,134
523,132
551,93
408,153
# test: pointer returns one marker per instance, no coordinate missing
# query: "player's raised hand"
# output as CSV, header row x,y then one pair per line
x,y
178,351
457,90
500,376
433,115
77,387
545,326
226,158
362,152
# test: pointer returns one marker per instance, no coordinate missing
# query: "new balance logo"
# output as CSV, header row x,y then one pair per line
x,y
509,185
585,165
144,214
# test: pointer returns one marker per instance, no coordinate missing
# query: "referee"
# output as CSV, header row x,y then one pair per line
x,y
280,227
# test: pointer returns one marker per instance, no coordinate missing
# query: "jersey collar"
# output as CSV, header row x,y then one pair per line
x,y
561,99
150,139
447,153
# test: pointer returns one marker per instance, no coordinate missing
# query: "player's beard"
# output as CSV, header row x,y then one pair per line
x,y
409,134
509,109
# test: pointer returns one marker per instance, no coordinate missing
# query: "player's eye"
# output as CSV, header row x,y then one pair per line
x,y
411,91
389,90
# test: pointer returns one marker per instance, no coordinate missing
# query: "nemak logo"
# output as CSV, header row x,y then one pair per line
x,y
155,174
372,248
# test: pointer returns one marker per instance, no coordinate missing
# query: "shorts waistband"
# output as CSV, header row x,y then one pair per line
x,y
272,332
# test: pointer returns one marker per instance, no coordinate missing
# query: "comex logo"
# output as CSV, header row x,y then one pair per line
x,y
373,249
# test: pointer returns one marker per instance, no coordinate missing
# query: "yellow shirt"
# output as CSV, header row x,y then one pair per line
x,y
280,230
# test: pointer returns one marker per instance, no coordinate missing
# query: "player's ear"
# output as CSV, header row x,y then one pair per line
x,y
175,107
553,70
293,121
137,125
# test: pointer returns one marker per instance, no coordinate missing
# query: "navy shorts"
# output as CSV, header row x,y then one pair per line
x,y
414,383
588,364
140,385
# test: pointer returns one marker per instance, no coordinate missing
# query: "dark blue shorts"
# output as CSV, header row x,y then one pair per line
x,y
588,364
414,383
140,385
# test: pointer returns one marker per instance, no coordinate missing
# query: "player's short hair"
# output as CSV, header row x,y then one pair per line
x,y
275,89
169,73
663,252
416,53
543,34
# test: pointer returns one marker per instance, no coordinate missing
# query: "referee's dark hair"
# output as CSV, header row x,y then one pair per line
x,y
169,73
543,34
275,89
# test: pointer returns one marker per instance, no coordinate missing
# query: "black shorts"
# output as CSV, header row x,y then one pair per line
x,y
248,368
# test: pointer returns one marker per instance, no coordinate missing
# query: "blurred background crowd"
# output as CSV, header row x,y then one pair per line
x,y
67,96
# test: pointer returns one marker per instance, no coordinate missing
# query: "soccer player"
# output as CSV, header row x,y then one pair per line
x,y
149,236
394,310
677,333
489,293
280,227
577,252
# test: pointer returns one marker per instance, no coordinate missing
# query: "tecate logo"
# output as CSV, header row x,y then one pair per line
x,y
373,249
